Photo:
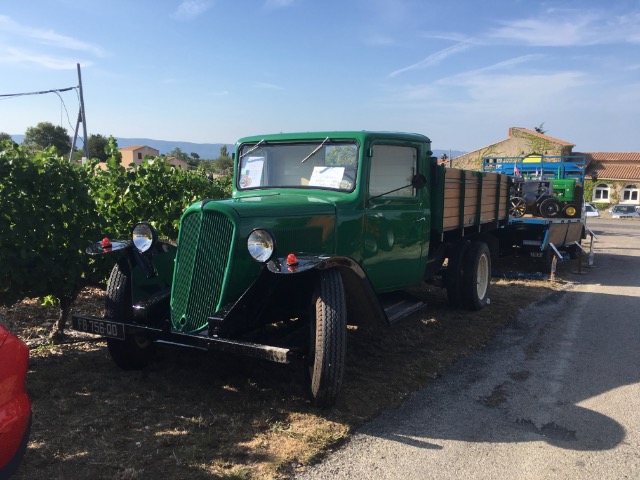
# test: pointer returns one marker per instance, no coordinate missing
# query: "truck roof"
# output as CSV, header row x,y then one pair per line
x,y
360,135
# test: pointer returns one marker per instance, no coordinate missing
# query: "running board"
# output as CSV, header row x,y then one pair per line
x,y
400,305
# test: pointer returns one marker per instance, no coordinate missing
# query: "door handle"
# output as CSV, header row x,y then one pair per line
x,y
422,219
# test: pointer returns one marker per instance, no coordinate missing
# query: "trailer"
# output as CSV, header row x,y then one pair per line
x,y
546,208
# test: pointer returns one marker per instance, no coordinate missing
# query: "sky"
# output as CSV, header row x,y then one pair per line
x,y
461,72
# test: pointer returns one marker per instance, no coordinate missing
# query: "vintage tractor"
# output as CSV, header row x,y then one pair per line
x,y
545,198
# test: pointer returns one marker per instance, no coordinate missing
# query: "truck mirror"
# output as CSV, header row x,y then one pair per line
x,y
418,181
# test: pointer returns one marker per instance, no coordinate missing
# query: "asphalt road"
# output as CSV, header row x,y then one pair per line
x,y
555,396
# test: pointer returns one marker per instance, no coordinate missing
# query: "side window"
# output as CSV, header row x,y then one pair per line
x,y
630,194
601,193
392,167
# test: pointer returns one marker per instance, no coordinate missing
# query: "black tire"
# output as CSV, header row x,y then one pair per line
x,y
476,276
328,345
453,273
550,208
517,207
135,352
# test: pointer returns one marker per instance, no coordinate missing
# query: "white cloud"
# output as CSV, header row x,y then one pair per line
x,y
278,3
16,56
570,28
434,58
378,40
267,86
47,37
190,9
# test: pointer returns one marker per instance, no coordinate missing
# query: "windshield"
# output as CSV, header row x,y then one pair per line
x,y
324,164
624,208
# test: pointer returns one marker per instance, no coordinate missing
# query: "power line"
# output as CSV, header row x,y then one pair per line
x,y
7,95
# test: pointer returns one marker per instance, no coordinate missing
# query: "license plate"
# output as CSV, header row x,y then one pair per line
x,y
98,327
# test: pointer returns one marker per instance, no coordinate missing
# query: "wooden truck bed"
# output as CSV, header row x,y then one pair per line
x,y
465,198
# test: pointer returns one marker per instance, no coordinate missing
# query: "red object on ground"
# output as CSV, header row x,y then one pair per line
x,y
15,406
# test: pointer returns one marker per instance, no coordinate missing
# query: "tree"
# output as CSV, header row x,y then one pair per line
x,y
45,135
540,129
97,147
179,154
5,136
224,163
195,156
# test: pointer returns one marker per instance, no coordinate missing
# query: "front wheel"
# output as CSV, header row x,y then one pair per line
x,y
328,344
135,352
517,207
570,211
476,276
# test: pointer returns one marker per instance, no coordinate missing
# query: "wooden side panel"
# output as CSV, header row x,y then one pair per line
x,y
473,198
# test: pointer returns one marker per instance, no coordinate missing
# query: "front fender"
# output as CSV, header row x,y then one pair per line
x,y
284,291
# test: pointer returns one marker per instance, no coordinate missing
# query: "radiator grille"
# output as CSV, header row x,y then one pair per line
x,y
201,262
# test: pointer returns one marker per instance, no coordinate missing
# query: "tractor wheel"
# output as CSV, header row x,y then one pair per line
x,y
517,207
453,273
135,352
550,208
570,211
476,276
328,345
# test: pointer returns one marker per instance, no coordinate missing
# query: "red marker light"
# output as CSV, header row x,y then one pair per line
x,y
106,243
292,260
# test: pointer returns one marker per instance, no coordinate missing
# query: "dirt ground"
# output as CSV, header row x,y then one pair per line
x,y
192,415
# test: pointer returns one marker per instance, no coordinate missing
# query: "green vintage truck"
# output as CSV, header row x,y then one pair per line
x,y
323,230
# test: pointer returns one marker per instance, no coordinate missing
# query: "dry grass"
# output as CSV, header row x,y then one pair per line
x,y
192,415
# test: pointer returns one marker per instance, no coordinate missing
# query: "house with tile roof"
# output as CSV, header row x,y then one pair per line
x,y
612,177
136,153
615,177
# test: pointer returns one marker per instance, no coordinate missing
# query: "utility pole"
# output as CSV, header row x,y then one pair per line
x,y
81,118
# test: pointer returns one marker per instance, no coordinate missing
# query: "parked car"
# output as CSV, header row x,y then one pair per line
x,y
590,210
625,211
15,405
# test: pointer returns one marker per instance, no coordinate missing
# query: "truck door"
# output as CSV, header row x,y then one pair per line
x,y
394,224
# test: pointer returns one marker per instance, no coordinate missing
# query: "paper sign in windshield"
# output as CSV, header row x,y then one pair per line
x,y
251,174
327,177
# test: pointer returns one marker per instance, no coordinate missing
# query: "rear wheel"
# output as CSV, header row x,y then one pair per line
x,y
135,352
328,345
476,276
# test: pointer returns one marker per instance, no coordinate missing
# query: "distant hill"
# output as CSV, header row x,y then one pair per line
x,y
206,151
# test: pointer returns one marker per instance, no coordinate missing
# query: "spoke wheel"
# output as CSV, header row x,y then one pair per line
x,y
517,207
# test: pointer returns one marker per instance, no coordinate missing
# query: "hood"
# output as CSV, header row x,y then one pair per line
x,y
279,205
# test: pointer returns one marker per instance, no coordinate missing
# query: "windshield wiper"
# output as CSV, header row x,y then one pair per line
x,y
255,147
315,150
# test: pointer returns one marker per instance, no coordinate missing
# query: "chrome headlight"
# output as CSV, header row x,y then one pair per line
x,y
143,236
260,245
